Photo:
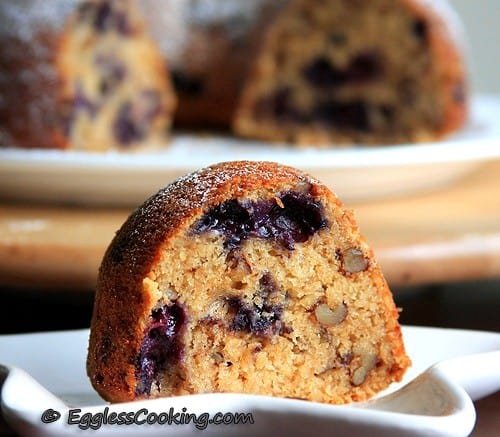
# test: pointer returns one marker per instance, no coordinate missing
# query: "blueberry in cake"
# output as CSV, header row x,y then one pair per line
x,y
247,277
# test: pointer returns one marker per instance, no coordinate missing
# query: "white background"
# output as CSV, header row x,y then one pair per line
x,y
482,23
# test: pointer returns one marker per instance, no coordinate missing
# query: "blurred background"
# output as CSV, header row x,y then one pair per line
x,y
481,19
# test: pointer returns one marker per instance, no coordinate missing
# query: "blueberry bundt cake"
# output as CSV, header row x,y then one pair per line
x,y
116,92
301,71
243,277
364,71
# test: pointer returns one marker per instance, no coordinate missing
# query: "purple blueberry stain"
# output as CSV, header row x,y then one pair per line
x,y
79,104
321,74
104,16
459,92
161,347
263,316
420,29
230,219
364,67
294,219
111,72
134,118
345,116
150,104
126,129
188,85
82,103
337,38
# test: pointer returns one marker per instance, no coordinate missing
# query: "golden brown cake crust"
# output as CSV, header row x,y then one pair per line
x,y
121,302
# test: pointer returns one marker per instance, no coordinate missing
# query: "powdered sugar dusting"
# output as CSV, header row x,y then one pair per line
x,y
197,188
166,24
165,213
173,23
23,19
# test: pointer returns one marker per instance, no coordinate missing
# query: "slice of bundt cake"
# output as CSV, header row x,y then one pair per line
x,y
243,277
116,92
364,71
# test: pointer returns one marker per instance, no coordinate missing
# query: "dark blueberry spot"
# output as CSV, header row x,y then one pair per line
x,y
408,90
134,118
66,118
104,17
70,109
387,111
299,219
281,103
261,318
294,220
345,359
126,128
161,346
150,104
82,103
111,72
280,106
364,67
187,85
459,93
85,11
229,218
267,284
321,74
419,29
338,38
344,116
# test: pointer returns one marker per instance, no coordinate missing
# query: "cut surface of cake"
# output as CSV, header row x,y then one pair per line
x,y
243,277
116,92
364,71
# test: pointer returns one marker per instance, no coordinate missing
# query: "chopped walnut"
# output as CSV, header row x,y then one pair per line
x,y
354,261
327,316
368,361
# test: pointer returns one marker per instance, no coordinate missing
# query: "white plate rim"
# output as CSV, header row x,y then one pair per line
x,y
454,148
355,173
467,341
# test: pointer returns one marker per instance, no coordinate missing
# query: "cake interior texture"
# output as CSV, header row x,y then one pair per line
x,y
116,93
369,70
271,292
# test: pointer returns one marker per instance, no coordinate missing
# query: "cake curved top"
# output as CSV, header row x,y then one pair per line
x,y
166,212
